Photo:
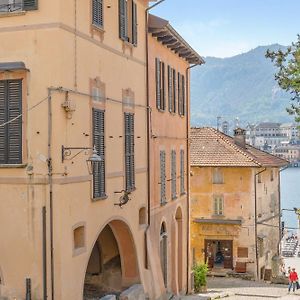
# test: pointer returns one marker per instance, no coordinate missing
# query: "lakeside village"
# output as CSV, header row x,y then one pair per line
x,y
106,191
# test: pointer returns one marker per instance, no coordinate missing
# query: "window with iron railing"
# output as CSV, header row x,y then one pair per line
x,y
10,6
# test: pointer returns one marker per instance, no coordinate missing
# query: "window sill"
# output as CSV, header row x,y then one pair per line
x,y
131,190
12,166
161,110
163,203
12,14
218,216
128,44
79,251
98,28
182,194
174,198
218,183
104,197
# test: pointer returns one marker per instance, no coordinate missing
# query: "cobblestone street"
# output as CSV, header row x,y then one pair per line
x,y
238,289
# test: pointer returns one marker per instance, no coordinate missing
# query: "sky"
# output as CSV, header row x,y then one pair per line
x,y
224,28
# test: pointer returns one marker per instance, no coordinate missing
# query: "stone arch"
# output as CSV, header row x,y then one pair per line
x,y
179,238
112,265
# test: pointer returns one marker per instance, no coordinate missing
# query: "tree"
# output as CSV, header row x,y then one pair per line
x,y
288,74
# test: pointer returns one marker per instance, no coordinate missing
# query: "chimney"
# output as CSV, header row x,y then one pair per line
x,y
240,137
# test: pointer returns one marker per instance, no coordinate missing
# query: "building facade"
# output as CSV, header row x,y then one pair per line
x,y
170,58
67,87
235,205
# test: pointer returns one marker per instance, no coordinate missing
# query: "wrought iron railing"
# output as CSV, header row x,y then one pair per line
x,y
7,6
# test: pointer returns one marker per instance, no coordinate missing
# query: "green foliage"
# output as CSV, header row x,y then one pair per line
x,y
288,74
200,273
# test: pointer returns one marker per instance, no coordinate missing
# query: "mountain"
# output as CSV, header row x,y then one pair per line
x,y
241,86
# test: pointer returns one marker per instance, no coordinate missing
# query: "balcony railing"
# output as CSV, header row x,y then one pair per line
x,y
7,6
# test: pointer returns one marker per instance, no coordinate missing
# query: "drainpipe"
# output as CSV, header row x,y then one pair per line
x,y
44,216
188,173
255,222
148,116
49,161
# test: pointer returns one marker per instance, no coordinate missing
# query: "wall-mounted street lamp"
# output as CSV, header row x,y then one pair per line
x,y
92,162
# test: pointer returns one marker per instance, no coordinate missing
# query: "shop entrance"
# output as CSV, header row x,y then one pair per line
x,y
218,254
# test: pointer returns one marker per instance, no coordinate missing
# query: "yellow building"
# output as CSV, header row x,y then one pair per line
x,y
73,76
235,204
170,60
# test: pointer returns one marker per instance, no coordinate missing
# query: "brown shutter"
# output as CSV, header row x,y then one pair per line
x,y
3,118
170,91
179,93
174,90
163,88
183,95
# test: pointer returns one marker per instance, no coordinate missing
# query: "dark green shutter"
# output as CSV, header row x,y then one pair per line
x,y
30,4
123,20
163,87
129,152
183,95
179,93
134,24
11,133
99,143
158,83
97,13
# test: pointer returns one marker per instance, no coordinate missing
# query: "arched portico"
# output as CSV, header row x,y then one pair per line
x,y
112,265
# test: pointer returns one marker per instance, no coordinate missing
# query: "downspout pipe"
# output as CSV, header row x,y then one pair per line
x,y
50,175
148,117
187,72
255,220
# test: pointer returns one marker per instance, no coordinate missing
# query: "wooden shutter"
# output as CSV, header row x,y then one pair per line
x,y
30,4
129,152
134,24
242,252
182,172
123,27
158,83
183,95
173,174
99,143
11,134
174,91
170,91
179,94
163,88
162,177
3,118
97,12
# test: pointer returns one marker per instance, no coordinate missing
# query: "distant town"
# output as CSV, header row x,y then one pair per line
x,y
280,139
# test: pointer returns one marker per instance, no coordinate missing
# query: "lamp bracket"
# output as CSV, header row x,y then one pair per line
x,y
66,152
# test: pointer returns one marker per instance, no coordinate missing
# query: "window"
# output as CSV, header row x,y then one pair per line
x,y
164,252
99,143
258,178
97,13
174,91
11,134
181,95
182,190
218,176
129,152
163,177
218,206
7,6
128,21
160,84
173,174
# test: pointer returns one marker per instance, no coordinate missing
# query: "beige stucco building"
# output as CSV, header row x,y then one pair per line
x,y
73,76
170,59
235,204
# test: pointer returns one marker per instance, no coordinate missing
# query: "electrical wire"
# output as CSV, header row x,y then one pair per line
x,y
20,115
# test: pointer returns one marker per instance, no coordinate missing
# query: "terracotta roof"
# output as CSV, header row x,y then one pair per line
x,y
168,36
210,147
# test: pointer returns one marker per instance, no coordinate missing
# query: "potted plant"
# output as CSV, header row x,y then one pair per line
x,y
200,273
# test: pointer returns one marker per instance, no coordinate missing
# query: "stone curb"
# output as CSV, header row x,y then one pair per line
x,y
215,296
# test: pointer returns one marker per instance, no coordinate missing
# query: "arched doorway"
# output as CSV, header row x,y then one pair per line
x,y
112,266
164,253
178,218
